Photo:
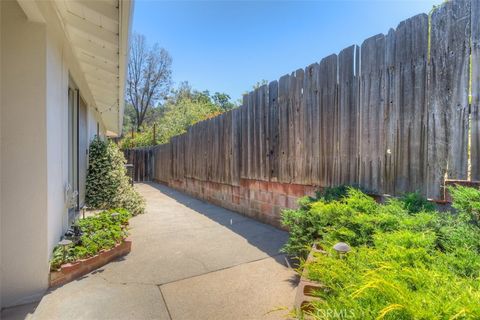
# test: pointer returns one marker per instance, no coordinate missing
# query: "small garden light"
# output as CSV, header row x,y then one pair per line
x,y
84,210
65,243
115,215
342,248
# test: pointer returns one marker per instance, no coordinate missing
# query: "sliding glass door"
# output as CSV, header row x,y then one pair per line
x,y
71,190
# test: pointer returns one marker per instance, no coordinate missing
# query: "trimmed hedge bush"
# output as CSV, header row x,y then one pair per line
x,y
108,185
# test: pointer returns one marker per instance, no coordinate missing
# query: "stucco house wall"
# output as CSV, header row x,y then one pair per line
x,y
23,157
1,266
35,64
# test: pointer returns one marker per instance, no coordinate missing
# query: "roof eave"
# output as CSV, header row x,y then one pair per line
x,y
125,29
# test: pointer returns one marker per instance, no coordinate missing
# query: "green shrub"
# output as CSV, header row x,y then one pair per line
x,y
332,193
414,203
108,185
467,202
407,260
393,282
101,231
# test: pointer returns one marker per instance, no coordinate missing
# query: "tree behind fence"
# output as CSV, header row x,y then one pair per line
x,y
392,116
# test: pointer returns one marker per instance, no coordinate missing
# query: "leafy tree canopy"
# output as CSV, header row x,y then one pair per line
x,y
183,108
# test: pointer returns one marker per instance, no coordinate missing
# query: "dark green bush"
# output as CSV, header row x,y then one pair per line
x,y
467,203
332,193
407,260
414,202
101,231
108,185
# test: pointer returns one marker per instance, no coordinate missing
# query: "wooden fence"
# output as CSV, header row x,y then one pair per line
x,y
397,114
143,162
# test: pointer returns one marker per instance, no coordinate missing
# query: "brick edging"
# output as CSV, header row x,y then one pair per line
x,y
306,288
71,271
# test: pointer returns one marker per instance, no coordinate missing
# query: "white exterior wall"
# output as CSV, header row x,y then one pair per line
x,y
36,61
1,266
92,120
57,134
23,157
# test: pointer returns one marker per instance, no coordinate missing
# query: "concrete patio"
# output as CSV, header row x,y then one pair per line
x,y
189,260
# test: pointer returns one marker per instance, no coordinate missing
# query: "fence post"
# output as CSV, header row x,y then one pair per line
x,y
154,131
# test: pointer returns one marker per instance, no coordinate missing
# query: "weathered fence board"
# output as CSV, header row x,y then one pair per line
x,y
312,127
410,116
327,111
448,94
475,102
284,134
392,125
372,111
235,152
298,111
273,127
391,116
347,114
244,138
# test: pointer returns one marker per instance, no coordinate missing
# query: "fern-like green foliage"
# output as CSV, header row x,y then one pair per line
x,y
414,202
467,202
108,185
408,261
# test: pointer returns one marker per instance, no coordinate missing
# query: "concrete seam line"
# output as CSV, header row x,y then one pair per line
x,y
191,277
164,302
221,269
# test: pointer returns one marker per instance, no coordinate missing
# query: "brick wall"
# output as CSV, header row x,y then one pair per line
x,y
263,200
260,200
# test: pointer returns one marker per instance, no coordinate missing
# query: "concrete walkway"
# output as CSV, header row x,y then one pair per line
x,y
189,260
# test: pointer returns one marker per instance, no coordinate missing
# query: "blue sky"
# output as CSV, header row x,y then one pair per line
x,y
228,46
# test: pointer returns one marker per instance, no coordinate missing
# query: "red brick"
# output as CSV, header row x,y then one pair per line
x,y
72,271
244,183
254,213
227,188
280,200
266,208
292,202
256,205
264,196
234,207
109,254
237,191
296,190
262,185
277,211
58,282
70,267
277,187
245,192
236,199
228,197
242,209
94,262
310,191
54,275
244,202
274,221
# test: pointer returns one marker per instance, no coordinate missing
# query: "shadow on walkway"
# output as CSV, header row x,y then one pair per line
x,y
263,236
